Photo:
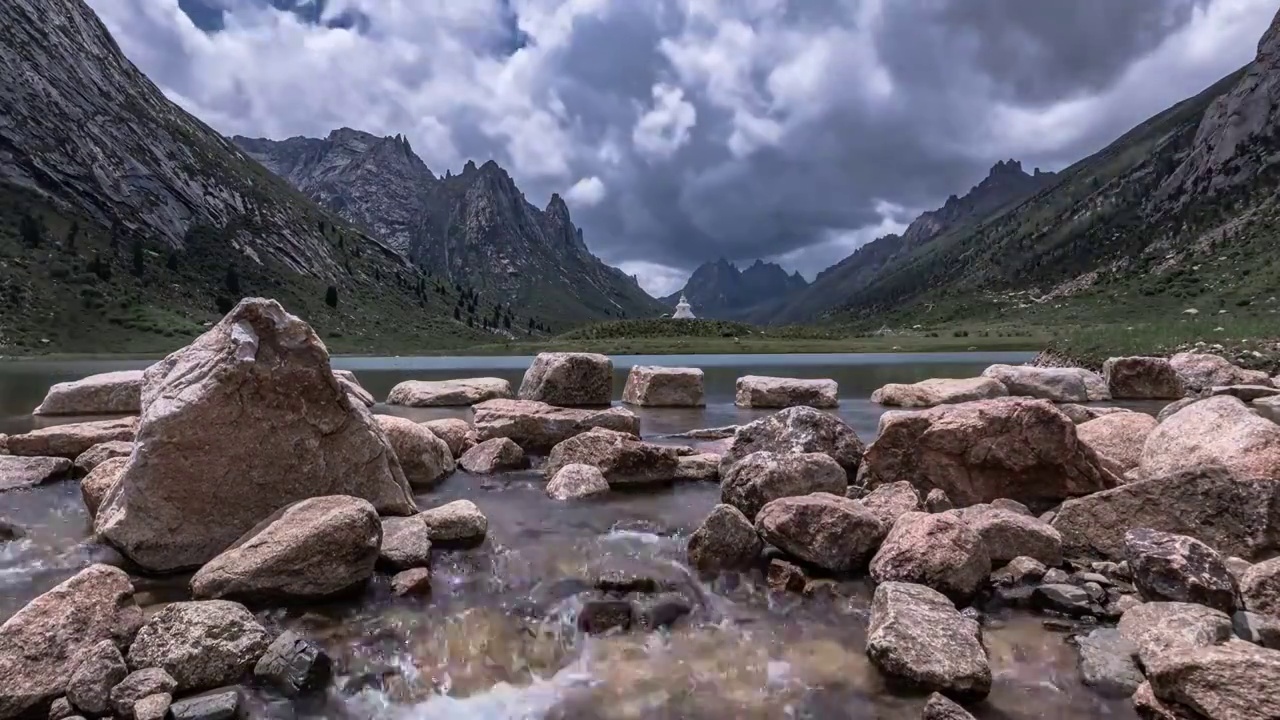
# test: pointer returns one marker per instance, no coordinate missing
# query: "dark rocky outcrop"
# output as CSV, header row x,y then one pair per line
x,y
1177,568
726,540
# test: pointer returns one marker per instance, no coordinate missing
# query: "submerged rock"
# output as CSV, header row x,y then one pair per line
x,y
1201,371
623,459
980,451
1235,680
113,393
1107,663
424,457
294,665
1117,439
653,386
96,455
828,531
576,481
1142,378
493,456
537,427
917,635
798,430
202,644
569,379
20,473
1180,569
246,420
726,540
310,550
938,391
41,644
762,477
757,391
448,393
70,440
412,582
1064,385
941,551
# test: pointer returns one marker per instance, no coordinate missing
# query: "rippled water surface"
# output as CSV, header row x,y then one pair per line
x,y
497,638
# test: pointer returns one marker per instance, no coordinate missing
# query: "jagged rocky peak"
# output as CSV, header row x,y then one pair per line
x,y
718,289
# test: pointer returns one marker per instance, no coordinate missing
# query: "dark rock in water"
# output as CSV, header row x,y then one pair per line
x,y
1107,663
294,665
1066,599
664,611
785,576
9,531
940,707
414,581
626,581
726,540
223,704
1180,569
599,616
1258,629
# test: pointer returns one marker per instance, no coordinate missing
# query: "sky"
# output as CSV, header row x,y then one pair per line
x,y
682,131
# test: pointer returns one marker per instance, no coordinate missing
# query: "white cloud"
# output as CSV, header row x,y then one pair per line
x,y
664,128
656,279
586,192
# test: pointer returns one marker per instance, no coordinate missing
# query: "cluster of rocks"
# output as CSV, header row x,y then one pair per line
x,y
1140,530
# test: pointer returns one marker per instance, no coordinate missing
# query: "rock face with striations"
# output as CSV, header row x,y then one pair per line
x,y
569,379
976,452
113,393
652,386
537,427
246,420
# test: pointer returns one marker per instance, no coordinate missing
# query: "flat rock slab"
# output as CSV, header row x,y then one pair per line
x,y
113,393
622,459
1246,393
70,440
655,386
759,391
448,393
1064,385
938,391
18,472
537,427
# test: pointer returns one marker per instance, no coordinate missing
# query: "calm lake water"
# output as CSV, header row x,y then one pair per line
x,y
497,639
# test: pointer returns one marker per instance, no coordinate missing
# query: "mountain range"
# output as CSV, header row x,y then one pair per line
x,y
720,290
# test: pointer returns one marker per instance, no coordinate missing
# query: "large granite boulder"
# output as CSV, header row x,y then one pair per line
x,y
494,456
1117,439
68,441
797,430
726,540
655,386
1214,432
457,434
1233,681
623,459
576,481
1234,516
448,393
1142,378
310,550
424,458
939,550
95,486
701,467
976,452
96,670
41,643
757,391
824,530
938,391
96,455
1008,534
537,427
18,472
246,420
1260,588
762,477
916,635
113,393
892,501
569,379
1202,371
202,644
1158,628
1177,568
1066,385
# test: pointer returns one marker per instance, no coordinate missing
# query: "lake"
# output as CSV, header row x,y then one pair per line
x,y
497,639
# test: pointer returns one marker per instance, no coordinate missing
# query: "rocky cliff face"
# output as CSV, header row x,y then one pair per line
x,y
476,228
720,290
126,223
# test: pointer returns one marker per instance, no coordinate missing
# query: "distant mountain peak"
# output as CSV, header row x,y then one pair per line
x,y
718,289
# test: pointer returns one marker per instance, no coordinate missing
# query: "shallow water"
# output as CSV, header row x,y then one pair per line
x,y
497,639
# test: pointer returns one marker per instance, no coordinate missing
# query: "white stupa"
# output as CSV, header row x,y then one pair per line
x,y
683,310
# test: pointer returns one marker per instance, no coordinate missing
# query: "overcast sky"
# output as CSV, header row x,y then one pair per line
x,y
681,131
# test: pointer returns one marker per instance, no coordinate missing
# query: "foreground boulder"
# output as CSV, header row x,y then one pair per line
x,y
757,391
1159,628
1008,534
493,456
202,644
1235,680
1142,378
916,635
798,430
95,486
96,455
68,441
762,477
1064,385
424,458
137,687
621,458
448,393
1080,414
294,666
457,434
1234,516
113,393
1202,371
457,522
824,530
977,452
1214,432
940,707
19,472
246,420
406,544
653,386
42,642
312,549
97,670
938,391
1260,588
1179,569
939,550
537,427
576,481
1117,438
892,501
569,379
726,540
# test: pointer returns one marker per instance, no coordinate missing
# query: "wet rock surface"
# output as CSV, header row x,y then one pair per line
x,y
916,635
